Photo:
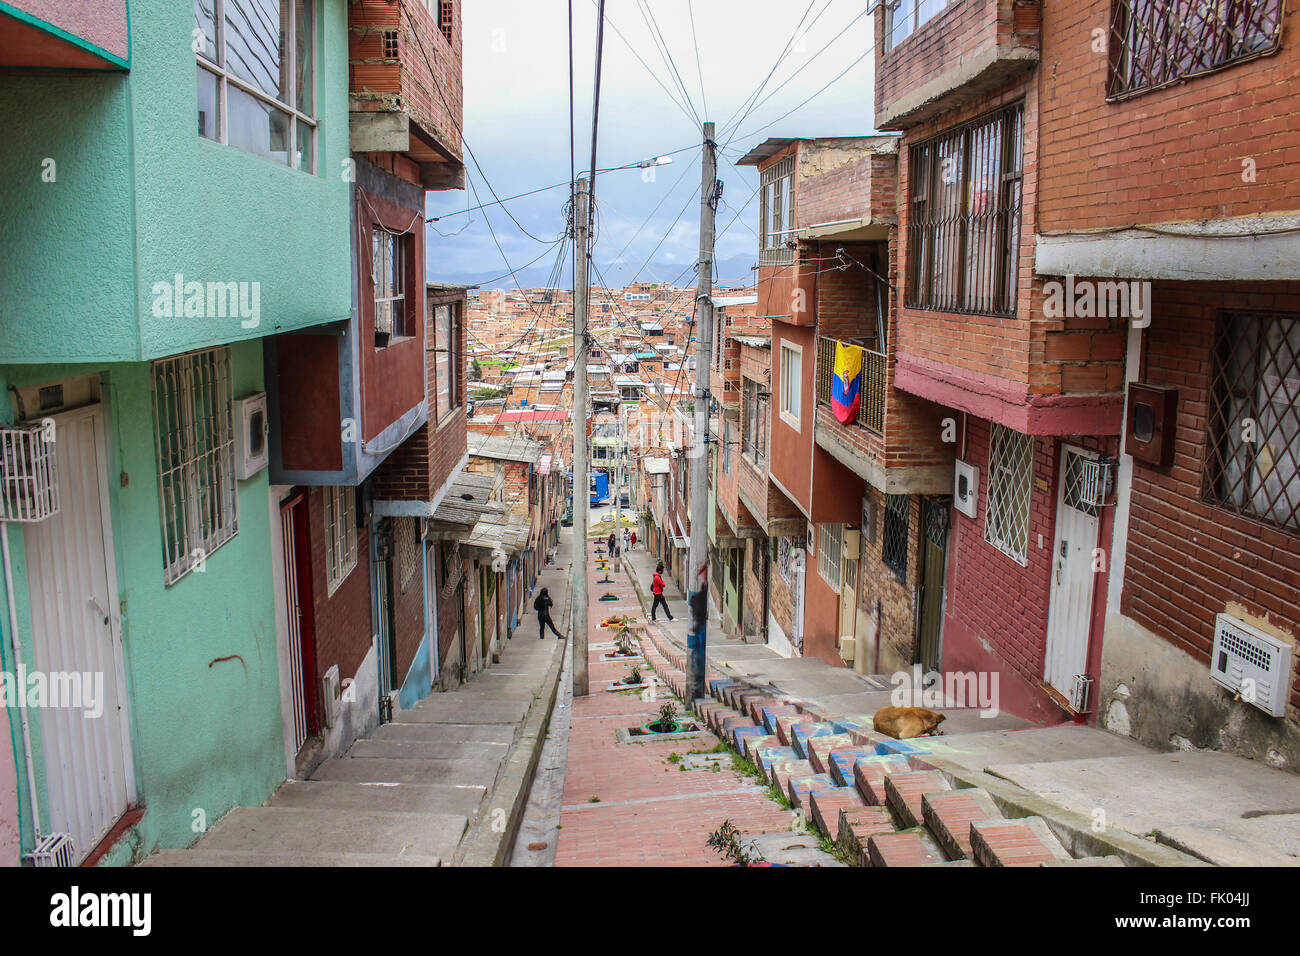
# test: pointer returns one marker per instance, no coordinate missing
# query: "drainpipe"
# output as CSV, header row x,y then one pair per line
x,y
22,698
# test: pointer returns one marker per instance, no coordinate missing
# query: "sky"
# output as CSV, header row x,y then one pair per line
x,y
516,128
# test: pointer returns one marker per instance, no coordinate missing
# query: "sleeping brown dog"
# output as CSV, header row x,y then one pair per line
x,y
903,722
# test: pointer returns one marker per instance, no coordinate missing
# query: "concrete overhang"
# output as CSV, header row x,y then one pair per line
x,y
392,131
52,35
966,82
900,480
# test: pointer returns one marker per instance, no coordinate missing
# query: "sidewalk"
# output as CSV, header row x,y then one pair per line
x,y
443,784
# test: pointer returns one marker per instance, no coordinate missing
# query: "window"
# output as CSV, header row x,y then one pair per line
x,y
791,382
757,552
753,436
726,447
340,535
1253,458
256,77
776,200
1157,42
446,12
1011,467
898,513
406,538
829,550
196,446
388,265
446,345
389,38
789,551
964,234
908,16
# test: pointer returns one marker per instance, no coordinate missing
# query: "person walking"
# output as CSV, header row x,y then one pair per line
x,y
612,544
543,606
633,540
657,589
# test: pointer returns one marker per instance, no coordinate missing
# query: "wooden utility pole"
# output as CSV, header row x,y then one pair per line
x,y
697,578
581,420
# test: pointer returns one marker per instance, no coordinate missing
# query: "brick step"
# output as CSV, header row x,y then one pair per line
x,y
904,848
801,734
756,705
1022,842
819,750
782,773
800,788
772,711
754,743
948,816
746,732
785,722
842,761
857,826
828,804
768,757
904,793
869,775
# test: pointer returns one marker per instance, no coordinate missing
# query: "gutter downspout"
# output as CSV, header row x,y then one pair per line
x,y
22,698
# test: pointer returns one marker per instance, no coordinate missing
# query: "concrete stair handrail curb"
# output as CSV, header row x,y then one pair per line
x,y
484,847
1074,830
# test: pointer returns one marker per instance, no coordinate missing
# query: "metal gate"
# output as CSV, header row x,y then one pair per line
x,y
290,523
935,523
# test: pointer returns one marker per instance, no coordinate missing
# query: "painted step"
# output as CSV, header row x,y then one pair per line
x,y
869,775
848,723
786,721
771,712
867,737
819,750
802,733
782,773
731,724
800,788
753,744
756,705
827,805
948,817
292,831
905,848
768,757
1023,842
842,761
740,734
904,792
717,716
857,826
716,686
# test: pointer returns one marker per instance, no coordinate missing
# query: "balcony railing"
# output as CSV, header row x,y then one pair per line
x,y
871,409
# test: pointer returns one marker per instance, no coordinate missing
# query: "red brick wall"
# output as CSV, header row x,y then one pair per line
x,y
1167,155
408,604
878,582
865,186
963,30
1187,559
341,621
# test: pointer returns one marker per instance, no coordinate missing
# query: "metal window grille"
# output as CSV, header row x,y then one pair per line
x,y
1157,42
757,551
195,440
1085,483
446,12
829,548
776,214
897,527
1253,452
390,44
29,479
390,295
408,554
340,535
965,217
1011,469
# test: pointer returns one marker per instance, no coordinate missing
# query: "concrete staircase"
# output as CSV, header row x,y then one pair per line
x,y
918,802
405,796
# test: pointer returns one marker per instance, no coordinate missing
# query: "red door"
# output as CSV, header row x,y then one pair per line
x,y
298,601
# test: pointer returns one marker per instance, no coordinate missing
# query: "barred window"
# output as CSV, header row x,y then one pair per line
x,y
1157,42
193,425
829,551
896,526
776,212
446,19
1011,469
965,195
1253,456
340,535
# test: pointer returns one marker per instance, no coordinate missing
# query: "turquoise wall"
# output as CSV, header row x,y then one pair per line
x,y
207,736
140,197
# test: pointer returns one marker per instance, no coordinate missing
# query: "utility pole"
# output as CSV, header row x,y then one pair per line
x,y
616,465
697,578
581,475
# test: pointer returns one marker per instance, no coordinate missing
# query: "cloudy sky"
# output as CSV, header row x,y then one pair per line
x,y
517,126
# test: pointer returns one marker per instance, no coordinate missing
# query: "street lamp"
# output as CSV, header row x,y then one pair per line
x,y
656,161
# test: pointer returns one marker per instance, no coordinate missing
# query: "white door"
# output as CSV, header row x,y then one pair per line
x,y
1069,618
848,599
801,562
76,628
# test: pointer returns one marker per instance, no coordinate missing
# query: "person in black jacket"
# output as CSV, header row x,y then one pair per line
x,y
543,608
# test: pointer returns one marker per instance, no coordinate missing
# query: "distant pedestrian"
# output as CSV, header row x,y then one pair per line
x,y
657,589
627,536
633,539
543,608
612,544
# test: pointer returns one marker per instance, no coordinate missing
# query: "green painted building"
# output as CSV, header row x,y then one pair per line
x,y
165,207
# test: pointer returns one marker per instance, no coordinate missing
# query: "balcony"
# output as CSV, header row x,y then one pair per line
x,y
871,410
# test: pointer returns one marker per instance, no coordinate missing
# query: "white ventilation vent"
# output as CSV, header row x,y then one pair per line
x,y
1251,663
54,849
29,484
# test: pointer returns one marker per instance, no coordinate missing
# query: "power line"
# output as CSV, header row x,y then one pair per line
x,y
835,80
654,76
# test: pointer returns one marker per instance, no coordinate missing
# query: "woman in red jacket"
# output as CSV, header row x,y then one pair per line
x,y
657,589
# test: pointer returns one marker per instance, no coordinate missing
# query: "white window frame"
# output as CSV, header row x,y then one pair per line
x,y
216,65
340,535
198,499
1010,492
776,213
791,385
380,239
914,14
830,549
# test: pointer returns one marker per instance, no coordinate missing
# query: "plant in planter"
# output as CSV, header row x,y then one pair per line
x,y
727,842
634,677
667,722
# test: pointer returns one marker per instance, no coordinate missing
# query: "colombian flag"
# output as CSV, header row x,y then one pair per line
x,y
846,383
